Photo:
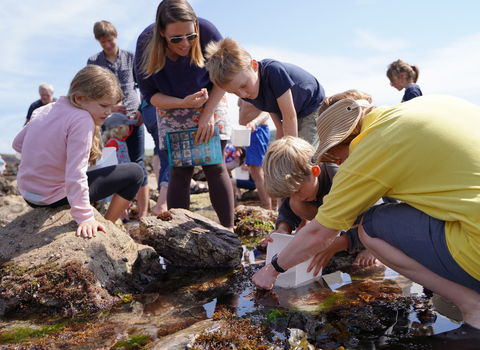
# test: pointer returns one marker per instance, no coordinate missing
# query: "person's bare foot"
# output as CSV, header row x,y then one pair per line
x,y
365,258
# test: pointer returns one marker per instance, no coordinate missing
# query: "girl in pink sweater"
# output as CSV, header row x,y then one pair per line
x,y
60,142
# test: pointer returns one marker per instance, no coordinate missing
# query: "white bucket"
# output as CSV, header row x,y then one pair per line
x,y
109,158
241,136
295,276
240,174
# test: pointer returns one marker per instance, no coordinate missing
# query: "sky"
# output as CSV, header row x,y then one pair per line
x,y
345,44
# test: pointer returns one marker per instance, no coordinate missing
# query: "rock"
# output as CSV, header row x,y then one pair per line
x,y
243,212
253,221
75,272
182,339
6,186
11,207
191,240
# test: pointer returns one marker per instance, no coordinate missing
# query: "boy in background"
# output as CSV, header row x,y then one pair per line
x,y
121,63
290,94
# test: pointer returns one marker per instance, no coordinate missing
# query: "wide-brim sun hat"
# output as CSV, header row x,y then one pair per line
x,y
116,119
335,124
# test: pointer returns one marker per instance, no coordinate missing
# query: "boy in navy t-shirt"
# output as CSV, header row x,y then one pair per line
x,y
290,94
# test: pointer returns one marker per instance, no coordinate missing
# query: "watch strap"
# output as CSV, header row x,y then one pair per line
x,y
275,264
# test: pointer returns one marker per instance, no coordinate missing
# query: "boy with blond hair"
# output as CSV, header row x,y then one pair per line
x,y
289,174
290,94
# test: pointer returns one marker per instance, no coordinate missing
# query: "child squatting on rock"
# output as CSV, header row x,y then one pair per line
x,y
290,175
60,142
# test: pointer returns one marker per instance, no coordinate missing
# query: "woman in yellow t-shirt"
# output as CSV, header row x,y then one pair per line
x,y
423,153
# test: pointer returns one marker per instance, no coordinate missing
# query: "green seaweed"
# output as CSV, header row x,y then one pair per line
x,y
23,334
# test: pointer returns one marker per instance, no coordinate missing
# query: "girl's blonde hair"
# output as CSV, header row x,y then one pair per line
x,y
399,66
94,82
169,11
117,132
354,95
286,166
225,59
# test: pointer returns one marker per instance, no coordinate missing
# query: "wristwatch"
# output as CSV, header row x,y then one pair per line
x,y
275,264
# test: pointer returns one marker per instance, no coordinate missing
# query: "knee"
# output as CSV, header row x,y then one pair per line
x,y
363,235
137,173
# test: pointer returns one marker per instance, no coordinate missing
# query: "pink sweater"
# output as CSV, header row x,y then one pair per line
x,y
55,147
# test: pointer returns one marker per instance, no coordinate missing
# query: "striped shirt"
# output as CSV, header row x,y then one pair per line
x,y
123,69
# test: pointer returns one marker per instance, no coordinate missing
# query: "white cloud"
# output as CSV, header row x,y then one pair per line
x,y
367,40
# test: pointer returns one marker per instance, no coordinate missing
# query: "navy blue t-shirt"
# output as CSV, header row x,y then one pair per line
x,y
411,92
276,78
34,106
177,78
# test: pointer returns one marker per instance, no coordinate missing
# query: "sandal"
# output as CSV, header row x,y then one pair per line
x,y
197,189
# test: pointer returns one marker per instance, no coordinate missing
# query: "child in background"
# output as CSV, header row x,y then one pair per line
x,y
291,95
289,175
117,128
2,165
234,158
404,76
61,140
256,121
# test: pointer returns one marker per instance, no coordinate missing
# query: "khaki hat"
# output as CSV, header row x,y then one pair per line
x,y
335,124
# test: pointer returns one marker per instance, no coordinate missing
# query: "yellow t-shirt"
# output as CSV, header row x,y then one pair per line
x,y
426,153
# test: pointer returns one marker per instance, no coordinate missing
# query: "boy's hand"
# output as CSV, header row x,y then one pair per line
x,y
196,100
321,259
88,229
282,228
251,125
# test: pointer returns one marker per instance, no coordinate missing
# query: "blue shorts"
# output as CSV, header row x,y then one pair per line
x,y
258,146
419,236
246,184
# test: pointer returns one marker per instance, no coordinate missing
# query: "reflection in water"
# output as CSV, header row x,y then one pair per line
x,y
184,298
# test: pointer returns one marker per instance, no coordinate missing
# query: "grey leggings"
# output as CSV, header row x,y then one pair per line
x,y
219,187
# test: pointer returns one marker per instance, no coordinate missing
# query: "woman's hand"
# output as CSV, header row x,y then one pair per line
x,y
266,277
88,229
196,100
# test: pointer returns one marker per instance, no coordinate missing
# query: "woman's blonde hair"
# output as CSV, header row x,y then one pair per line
x,y
354,95
94,82
225,59
399,66
169,11
117,132
286,166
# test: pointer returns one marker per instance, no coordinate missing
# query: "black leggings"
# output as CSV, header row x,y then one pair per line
x,y
124,179
219,188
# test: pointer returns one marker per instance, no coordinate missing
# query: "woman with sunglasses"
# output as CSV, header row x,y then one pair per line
x,y
171,76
